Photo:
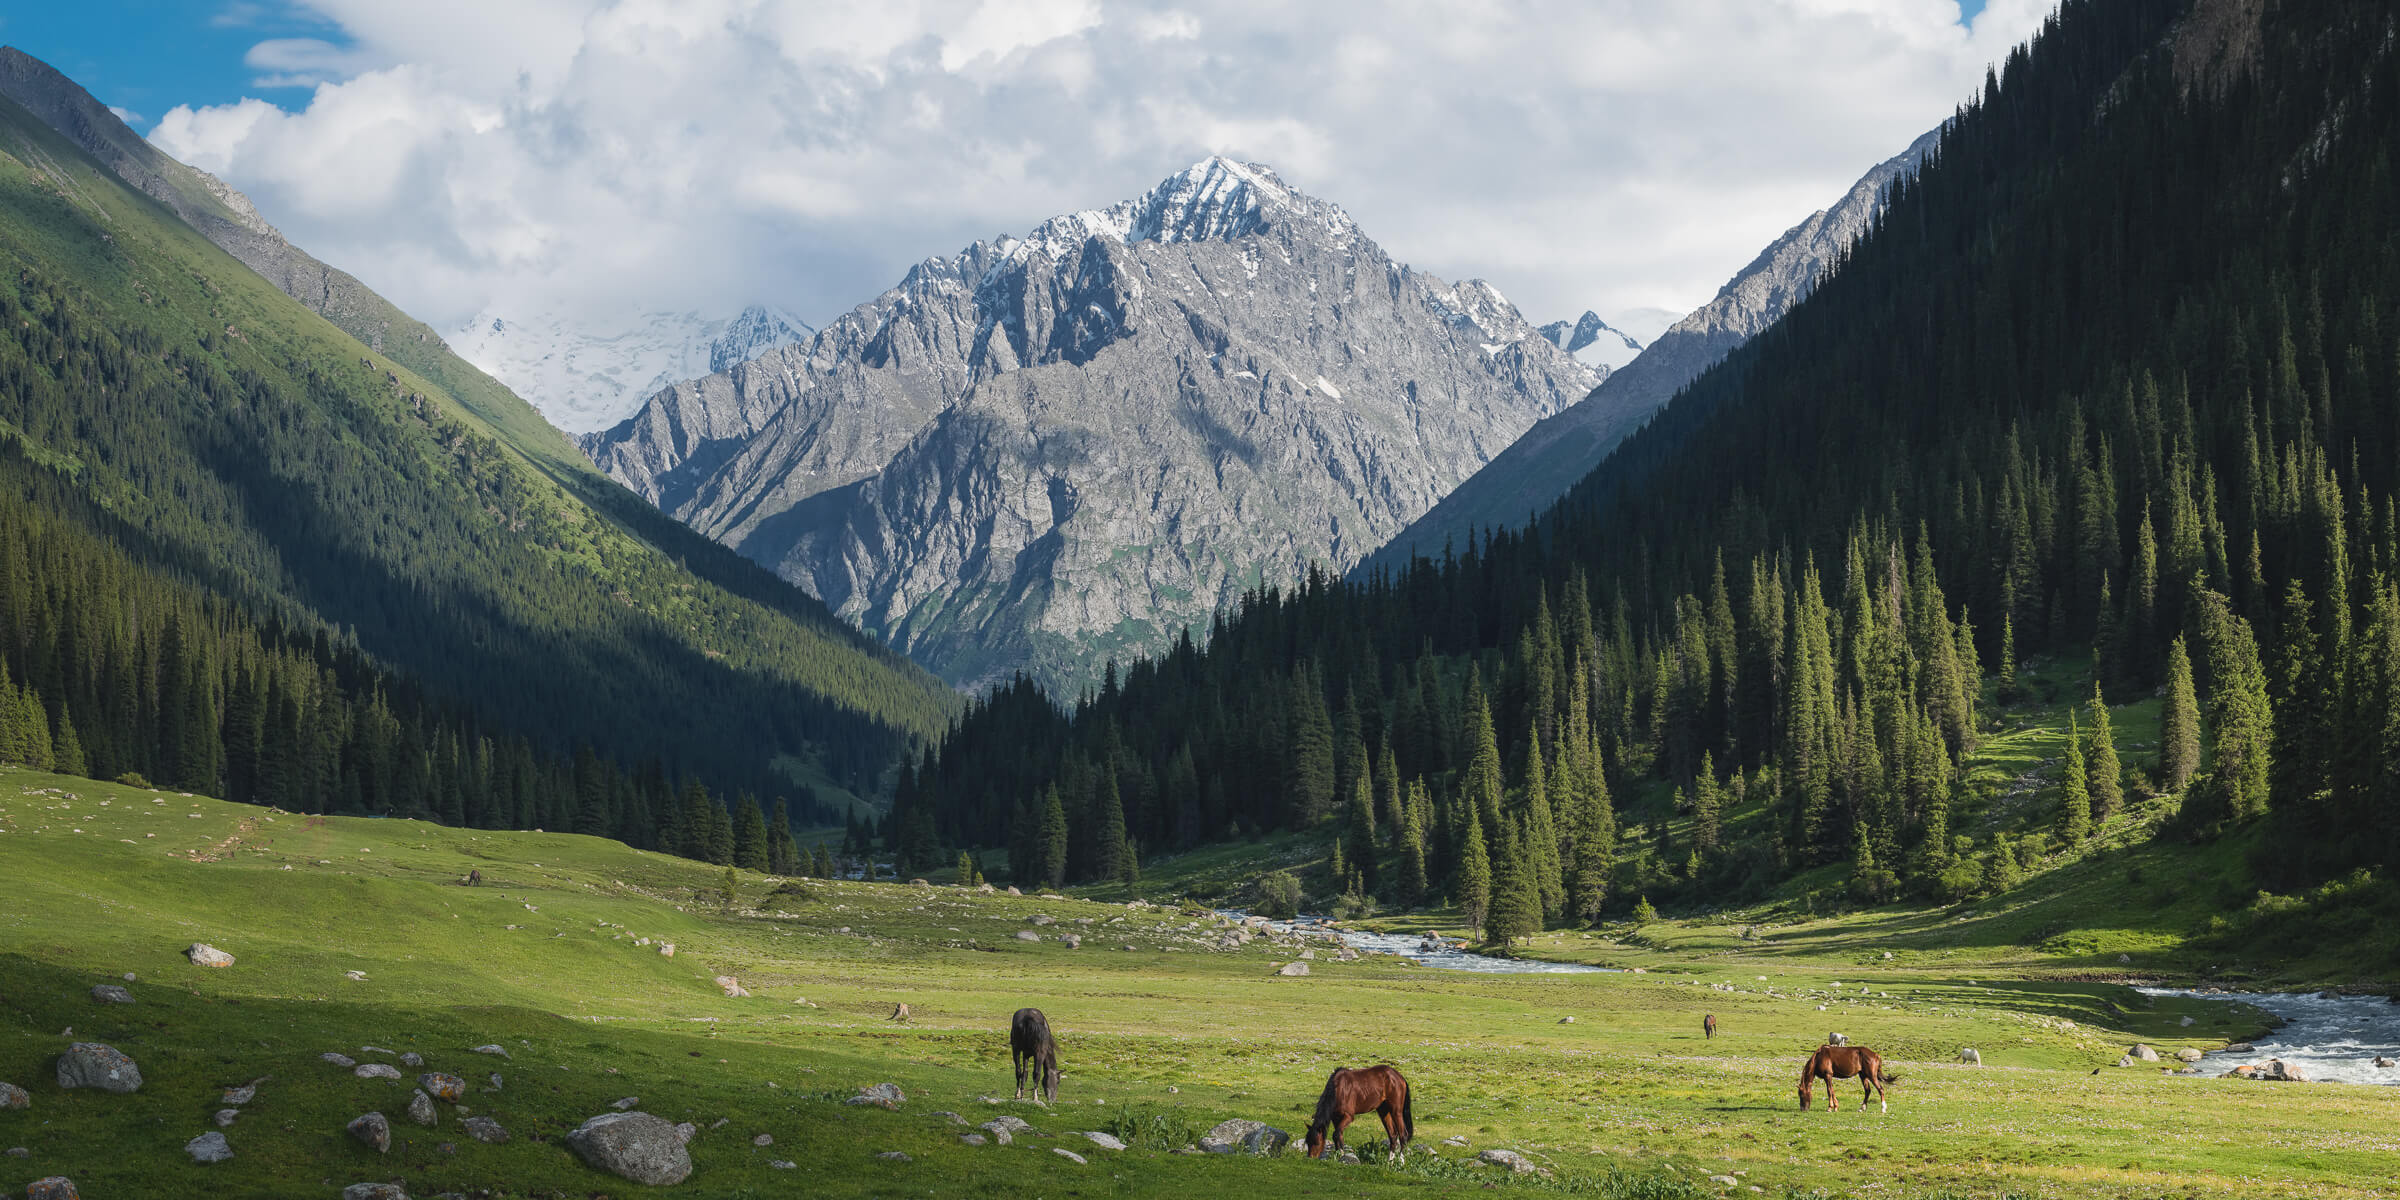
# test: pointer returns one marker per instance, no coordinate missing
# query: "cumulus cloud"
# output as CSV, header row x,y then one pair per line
x,y
591,156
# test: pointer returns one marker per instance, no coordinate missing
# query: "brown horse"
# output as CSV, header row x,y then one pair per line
x,y
1842,1062
1708,1025
1030,1045
1350,1091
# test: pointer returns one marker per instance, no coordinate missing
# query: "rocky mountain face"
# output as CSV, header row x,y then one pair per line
x,y
584,379
1539,468
1043,451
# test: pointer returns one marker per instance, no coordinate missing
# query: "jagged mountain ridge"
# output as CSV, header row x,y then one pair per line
x,y
1539,468
1045,450
1594,342
584,379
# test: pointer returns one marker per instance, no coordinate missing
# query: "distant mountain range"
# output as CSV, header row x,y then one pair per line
x,y
1533,473
1042,452
585,376
1594,342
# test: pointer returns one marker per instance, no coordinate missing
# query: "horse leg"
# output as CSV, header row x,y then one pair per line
x,y
1833,1103
1018,1060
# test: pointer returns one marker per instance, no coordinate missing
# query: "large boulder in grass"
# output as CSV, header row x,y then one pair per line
x,y
374,1191
1240,1136
634,1145
57,1187
204,955
14,1097
92,1065
373,1131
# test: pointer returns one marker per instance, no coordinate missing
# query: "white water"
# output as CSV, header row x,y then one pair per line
x,y
1442,956
2330,1038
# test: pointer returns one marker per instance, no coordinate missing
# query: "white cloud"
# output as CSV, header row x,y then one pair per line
x,y
594,155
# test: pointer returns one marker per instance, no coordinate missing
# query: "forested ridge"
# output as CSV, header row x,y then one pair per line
x,y
242,554
2111,378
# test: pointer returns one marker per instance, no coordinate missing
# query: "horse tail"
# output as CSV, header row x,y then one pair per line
x,y
1408,1111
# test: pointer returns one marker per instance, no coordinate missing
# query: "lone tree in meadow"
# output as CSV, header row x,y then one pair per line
x,y
2074,802
2107,786
2178,722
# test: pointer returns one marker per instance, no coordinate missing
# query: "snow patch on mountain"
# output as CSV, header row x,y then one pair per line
x,y
588,375
1594,343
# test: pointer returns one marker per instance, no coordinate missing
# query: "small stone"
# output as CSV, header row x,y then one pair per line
x,y
13,1097
635,1145
971,1139
412,1060
667,948
686,1131
2124,1060
999,1133
226,1116
1292,968
732,987
339,1060
57,1187
495,1048
1106,1141
783,1165
93,1065
355,976
209,1148
2188,1022
894,1156
1067,1154
376,1071
110,993
1172,1090
373,1131
763,1140
204,955
1027,935
623,1103
1730,1181
1072,941
2187,1054
952,1117
1515,1162
421,1110
495,1077
1240,1136
882,1095
374,1191
19,1152
443,1086
239,1095
485,1129
1566,1020
2143,1052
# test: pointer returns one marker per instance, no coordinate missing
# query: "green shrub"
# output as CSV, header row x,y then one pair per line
x,y
1278,894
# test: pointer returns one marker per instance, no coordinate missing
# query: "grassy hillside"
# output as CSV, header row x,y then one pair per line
x,y
1164,1039
176,406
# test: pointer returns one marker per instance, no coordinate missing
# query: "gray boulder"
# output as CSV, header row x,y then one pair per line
x,y
412,1060
1241,1136
443,1087
1067,1154
209,1148
374,1191
634,1145
376,1071
1106,1141
93,1065
226,1117
1515,1162
623,1103
110,993
13,1097
2187,1054
1012,1124
1292,968
1027,935
999,1133
494,1048
56,1187
485,1129
971,1139
2143,1052
338,1058
2383,1061
373,1131
421,1110
204,955
882,1095
239,1095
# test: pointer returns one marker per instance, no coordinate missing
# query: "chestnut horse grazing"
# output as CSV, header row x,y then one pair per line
x,y
1030,1045
1350,1091
1841,1062
1708,1025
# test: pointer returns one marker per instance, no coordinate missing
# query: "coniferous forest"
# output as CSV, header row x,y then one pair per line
x,y
2115,378
241,554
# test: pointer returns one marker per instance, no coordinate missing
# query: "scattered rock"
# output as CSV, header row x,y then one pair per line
x,y
952,1117
1240,1136
1027,935
1566,1020
2279,1071
494,1049
376,1071
421,1110
2187,1054
13,1097
1456,1139
1970,1056
240,1095
374,1191
338,1059
485,1129
634,1145
1292,968
1073,942
732,987
762,1140
1014,892
2143,1052
1514,1161
209,1148
685,1132
204,955
355,976
1730,1181
373,1130
894,1156
1836,1039
2383,1061
783,1165
1106,1141
998,1132
2188,1022
667,948
623,1103
93,1065
443,1086
971,1139
110,993
412,1060
1044,919
2124,1060
1067,1154
19,1152
57,1187
1010,1124
2240,1048
882,1095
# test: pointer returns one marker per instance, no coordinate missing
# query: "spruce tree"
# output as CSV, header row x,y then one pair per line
x,y
1413,874
2107,787
2241,719
1050,870
1362,833
1308,772
1112,865
2178,722
2074,802
1474,884
1708,801
1516,907
750,839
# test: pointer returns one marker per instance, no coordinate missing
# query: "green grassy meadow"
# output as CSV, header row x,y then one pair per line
x,y
1161,1041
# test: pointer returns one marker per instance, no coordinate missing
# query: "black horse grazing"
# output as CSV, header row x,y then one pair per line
x,y
1708,1024
1350,1091
1030,1044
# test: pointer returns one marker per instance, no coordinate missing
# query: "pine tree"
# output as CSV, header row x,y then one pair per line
x,y
1708,800
2107,787
1362,835
1414,878
1308,775
1516,907
732,887
750,839
1474,884
2074,802
2178,723
2241,719
966,870
1114,862
1051,869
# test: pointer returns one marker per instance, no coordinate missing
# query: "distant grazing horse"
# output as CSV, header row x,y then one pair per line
x,y
1708,1025
1030,1044
1350,1091
1841,1062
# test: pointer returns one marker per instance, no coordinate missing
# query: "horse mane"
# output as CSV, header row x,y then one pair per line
x,y
1325,1115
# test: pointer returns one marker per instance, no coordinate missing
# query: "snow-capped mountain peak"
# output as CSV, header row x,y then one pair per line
x,y
587,375
1594,343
